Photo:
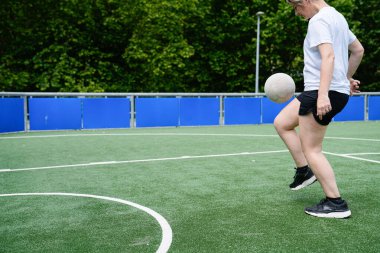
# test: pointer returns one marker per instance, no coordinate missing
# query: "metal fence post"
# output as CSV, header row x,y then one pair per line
x,y
132,112
221,110
26,123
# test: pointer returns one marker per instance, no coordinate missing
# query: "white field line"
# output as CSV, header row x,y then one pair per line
x,y
356,154
350,156
352,139
133,134
168,134
141,161
167,233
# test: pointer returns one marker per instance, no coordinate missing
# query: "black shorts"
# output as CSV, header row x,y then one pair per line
x,y
308,101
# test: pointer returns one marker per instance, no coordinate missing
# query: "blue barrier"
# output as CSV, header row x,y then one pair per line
x,y
199,111
374,108
157,112
182,110
55,113
271,109
354,110
11,115
106,113
242,111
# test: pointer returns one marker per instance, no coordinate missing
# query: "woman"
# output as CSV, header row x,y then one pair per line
x,y
332,55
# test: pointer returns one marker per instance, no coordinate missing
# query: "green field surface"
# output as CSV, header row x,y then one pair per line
x,y
219,189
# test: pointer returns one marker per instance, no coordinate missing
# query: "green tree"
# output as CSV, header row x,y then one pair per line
x,y
367,14
163,46
159,53
61,46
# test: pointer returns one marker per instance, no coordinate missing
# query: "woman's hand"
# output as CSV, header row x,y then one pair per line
x,y
323,105
354,86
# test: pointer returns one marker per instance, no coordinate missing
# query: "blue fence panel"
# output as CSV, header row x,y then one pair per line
x,y
11,115
55,113
242,111
374,108
271,110
354,110
106,113
157,112
199,111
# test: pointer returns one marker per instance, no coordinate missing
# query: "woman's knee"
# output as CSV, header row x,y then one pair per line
x,y
282,124
311,151
287,119
278,124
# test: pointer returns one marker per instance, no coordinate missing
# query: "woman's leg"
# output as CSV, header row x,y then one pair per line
x,y
312,135
285,124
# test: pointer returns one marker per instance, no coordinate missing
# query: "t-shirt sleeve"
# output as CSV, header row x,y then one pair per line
x,y
319,33
351,37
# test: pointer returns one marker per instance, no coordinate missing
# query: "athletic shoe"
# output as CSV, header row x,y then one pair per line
x,y
301,180
328,209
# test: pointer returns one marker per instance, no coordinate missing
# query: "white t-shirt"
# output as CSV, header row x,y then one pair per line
x,y
327,26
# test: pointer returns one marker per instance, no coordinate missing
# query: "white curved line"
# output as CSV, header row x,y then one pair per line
x,y
167,233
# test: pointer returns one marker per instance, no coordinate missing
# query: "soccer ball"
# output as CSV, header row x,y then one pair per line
x,y
279,87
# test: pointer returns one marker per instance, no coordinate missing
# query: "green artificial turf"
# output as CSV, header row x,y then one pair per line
x,y
215,196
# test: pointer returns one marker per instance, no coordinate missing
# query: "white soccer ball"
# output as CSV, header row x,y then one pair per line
x,y
279,87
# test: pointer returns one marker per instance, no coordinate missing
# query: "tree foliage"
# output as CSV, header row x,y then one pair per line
x,y
163,45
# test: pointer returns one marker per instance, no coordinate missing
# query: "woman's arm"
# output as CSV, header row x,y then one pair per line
x,y
327,68
356,54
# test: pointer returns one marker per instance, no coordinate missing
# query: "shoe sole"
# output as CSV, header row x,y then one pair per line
x,y
304,184
336,215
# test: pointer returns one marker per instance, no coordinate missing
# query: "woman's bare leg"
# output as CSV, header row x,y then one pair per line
x,y
285,124
312,135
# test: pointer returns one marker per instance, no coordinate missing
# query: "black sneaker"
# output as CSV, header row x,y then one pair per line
x,y
302,179
328,209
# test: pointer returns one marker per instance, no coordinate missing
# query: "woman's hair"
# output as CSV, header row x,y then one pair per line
x,y
294,1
